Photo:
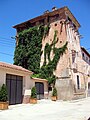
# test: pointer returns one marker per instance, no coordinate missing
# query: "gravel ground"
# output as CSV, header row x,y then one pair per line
x,y
49,110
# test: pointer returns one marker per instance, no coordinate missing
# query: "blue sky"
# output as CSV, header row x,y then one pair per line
x,y
13,12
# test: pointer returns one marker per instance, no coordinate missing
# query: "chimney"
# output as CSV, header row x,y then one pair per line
x,y
54,8
47,11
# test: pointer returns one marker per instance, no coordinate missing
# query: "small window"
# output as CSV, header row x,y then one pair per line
x,y
75,37
73,56
78,82
83,54
89,85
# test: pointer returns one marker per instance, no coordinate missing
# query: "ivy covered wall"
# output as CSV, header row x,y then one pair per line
x,y
50,65
28,52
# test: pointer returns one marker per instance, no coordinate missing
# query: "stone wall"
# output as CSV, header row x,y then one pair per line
x,y
63,63
65,88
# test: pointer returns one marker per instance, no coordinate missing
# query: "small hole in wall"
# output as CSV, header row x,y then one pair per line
x,y
60,21
55,24
60,41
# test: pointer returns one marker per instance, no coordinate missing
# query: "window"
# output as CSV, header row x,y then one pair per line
x,y
78,82
75,37
89,85
83,54
73,56
86,58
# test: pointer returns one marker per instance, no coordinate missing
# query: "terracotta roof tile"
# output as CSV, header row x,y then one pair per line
x,y
7,65
39,79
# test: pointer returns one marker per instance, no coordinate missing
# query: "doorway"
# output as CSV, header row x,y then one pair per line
x,y
40,90
14,85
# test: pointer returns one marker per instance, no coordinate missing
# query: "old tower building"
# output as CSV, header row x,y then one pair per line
x,y
61,28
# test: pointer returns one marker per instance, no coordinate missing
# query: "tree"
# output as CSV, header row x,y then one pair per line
x,y
33,92
3,93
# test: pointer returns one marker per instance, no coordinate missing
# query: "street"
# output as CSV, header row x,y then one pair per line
x,y
49,110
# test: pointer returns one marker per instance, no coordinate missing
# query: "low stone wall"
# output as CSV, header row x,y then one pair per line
x,y
79,95
65,88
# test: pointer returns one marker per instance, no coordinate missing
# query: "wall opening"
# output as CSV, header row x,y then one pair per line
x,y
78,82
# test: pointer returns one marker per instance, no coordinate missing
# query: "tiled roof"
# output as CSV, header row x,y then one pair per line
x,y
39,79
15,67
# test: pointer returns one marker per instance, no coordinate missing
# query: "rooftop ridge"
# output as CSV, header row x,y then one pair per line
x,y
65,8
8,65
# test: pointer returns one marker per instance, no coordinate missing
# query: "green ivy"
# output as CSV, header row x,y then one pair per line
x,y
28,52
46,30
47,69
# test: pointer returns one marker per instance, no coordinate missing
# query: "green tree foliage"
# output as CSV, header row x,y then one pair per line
x,y
3,94
33,92
54,92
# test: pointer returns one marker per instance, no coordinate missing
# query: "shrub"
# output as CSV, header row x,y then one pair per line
x,y
3,94
54,92
33,92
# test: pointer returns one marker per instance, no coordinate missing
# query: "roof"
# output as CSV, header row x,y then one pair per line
x,y
15,67
85,51
39,79
58,11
